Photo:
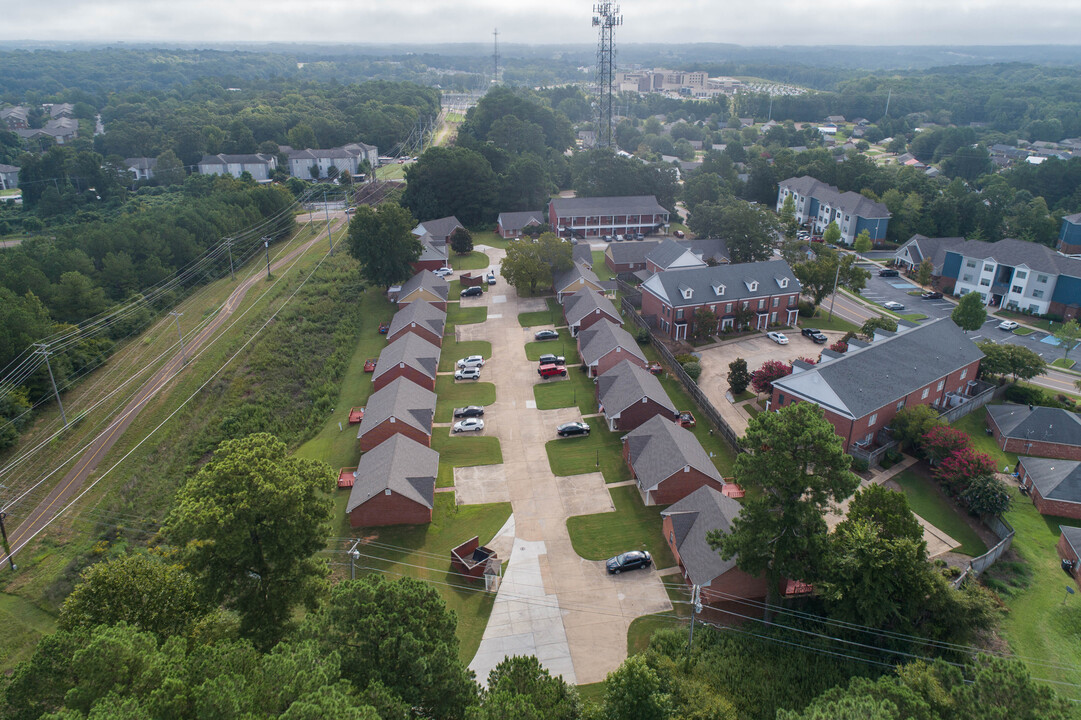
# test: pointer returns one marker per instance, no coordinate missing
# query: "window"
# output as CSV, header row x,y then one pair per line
x,y
776,301
988,268
762,304
1020,274
941,384
1037,294
1034,308
679,314
1041,278
964,373
780,399
926,392
966,278
970,263
900,405
985,282
873,420
728,308
1017,289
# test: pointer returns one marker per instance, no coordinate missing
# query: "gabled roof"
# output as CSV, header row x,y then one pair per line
x,y
411,349
715,249
399,464
868,378
626,384
338,153
1074,219
403,400
1017,253
921,247
1055,479
583,254
517,220
440,228
8,168
1073,537
693,518
141,163
670,253
425,280
849,202
631,252
429,250
624,205
736,279
422,313
1040,424
223,159
660,448
584,302
603,337
577,272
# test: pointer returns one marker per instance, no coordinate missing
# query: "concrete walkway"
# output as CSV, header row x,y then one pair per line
x,y
552,603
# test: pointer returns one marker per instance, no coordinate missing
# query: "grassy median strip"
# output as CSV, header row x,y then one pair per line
x,y
450,394
600,450
1063,363
633,526
563,345
463,451
578,389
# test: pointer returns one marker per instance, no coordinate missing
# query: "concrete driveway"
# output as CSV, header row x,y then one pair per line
x,y
552,603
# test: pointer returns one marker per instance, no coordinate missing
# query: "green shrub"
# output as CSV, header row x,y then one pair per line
x,y
806,309
693,369
859,465
1031,396
642,337
685,358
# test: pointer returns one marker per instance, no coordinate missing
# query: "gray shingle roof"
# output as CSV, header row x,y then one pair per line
x,y
422,313
626,384
337,153
735,278
668,252
8,168
411,349
440,228
1073,537
660,448
1040,424
584,302
429,250
693,518
577,271
631,252
141,163
582,254
428,281
515,221
865,379
403,400
1019,252
708,249
1055,479
223,159
603,337
849,202
625,205
399,464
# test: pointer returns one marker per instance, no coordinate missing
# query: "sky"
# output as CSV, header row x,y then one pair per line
x,y
539,22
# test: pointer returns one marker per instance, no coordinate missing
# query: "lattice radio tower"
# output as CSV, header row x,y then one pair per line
x,y
606,17
495,56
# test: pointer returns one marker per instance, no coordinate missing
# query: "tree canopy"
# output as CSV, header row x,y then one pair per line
x,y
970,313
383,241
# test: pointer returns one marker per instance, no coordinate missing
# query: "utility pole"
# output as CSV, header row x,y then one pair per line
x,y
696,601
44,350
354,554
326,209
836,277
176,316
4,537
229,244
266,245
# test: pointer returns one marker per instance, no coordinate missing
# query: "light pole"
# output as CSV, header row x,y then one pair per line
x,y
354,555
836,277
266,245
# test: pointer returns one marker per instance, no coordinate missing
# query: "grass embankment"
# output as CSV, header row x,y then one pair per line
x,y
602,271
563,345
974,425
601,450
577,389
633,526
927,502
552,316
22,625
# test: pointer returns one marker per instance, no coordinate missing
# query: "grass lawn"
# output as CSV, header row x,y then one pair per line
x,y
633,526
1023,331
642,628
932,507
463,451
578,389
592,693
450,395
451,526
1063,363
751,409
454,351
1038,626
1036,322
745,395
552,316
490,239
458,315
913,317
475,260
973,425
581,454
602,271
22,625
564,345
822,321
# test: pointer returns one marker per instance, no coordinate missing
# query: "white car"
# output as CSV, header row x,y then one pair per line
x,y
473,361
470,425
472,373
777,337
1008,325
444,272
891,305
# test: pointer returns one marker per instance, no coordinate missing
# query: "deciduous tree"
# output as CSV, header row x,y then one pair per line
x,y
958,469
523,266
942,440
970,314
863,242
461,241
832,234
817,276
912,423
1068,336
879,322
763,378
383,241
925,272
986,495
738,376
525,685
1010,359
635,691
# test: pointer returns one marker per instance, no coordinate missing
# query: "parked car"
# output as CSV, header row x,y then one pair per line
x,y
545,335
686,419
469,411
932,295
470,425
888,272
680,234
552,360
891,305
471,361
572,428
629,561
608,238
472,292
639,236
369,365
777,337
816,335
444,272
384,328
472,373
1008,325
491,278
546,371
656,368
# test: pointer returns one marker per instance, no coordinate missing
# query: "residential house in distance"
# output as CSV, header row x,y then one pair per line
x,y
61,130
16,117
511,224
575,279
1041,431
395,485
768,291
1069,548
586,218
631,257
629,395
667,462
400,408
411,357
1069,237
432,255
143,167
670,255
258,165
1054,485
860,391
820,204
349,158
604,344
420,318
439,229
61,110
586,307
9,177
424,286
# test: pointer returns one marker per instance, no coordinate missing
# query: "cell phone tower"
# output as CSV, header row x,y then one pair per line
x,y
606,17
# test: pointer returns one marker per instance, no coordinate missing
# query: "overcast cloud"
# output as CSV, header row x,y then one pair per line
x,y
536,22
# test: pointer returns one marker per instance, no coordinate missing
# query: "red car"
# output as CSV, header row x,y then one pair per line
x,y
656,368
383,327
369,365
686,420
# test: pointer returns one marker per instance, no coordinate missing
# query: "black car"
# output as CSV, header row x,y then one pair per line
x,y
932,295
629,561
815,335
472,292
572,428
545,335
552,360
888,272
469,411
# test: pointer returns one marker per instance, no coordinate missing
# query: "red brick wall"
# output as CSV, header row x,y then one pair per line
x,y
387,429
1055,507
652,305
680,485
638,413
1039,449
1066,552
419,265
391,509
420,330
613,358
1068,312
407,372
596,316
